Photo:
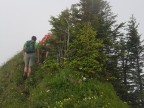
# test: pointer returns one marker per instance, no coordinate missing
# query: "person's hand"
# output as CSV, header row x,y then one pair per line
x,y
38,61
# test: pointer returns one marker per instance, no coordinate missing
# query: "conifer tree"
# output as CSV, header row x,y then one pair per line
x,y
136,50
98,14
85,54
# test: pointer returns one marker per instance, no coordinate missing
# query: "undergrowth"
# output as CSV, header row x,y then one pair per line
x,y
53,87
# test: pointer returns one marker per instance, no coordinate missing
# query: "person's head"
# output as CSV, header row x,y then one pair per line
x,y
34,38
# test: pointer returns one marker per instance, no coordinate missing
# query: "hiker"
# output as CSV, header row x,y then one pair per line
x,y
30,54
43,51
44,47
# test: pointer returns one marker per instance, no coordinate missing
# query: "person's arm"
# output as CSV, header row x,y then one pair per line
x,y
38,55
23,51
47,50
38,52
46,54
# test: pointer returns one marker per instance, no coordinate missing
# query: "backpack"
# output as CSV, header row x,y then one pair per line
x,y
30,47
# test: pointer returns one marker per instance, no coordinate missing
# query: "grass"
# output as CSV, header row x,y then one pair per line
x,y
52,87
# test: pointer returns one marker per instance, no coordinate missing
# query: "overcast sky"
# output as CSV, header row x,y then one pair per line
x,y
20,19
125,8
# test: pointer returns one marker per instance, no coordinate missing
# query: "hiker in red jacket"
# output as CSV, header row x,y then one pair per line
x,y
44,47
43,51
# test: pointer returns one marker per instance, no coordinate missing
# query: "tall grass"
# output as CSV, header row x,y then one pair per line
x,y
52,87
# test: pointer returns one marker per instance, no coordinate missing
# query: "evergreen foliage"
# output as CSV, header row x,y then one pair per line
x,y
89,55
84,52
135,49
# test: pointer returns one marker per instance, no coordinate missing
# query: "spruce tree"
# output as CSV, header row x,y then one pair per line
x,y
136,50
85,54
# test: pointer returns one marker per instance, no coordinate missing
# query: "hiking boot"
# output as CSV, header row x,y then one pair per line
x,y
25,76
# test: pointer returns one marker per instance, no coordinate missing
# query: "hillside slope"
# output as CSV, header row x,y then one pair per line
x,y
52,87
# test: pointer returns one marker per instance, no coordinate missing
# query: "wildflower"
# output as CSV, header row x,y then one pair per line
x,y
84,78
125,102
47,91
94,97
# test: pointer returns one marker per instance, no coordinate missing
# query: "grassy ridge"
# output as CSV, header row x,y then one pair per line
x,y
52,87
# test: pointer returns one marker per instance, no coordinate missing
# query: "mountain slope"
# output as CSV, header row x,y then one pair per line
x,y
52,87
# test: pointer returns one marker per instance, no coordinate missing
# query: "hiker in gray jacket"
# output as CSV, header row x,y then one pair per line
x,y
30,54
